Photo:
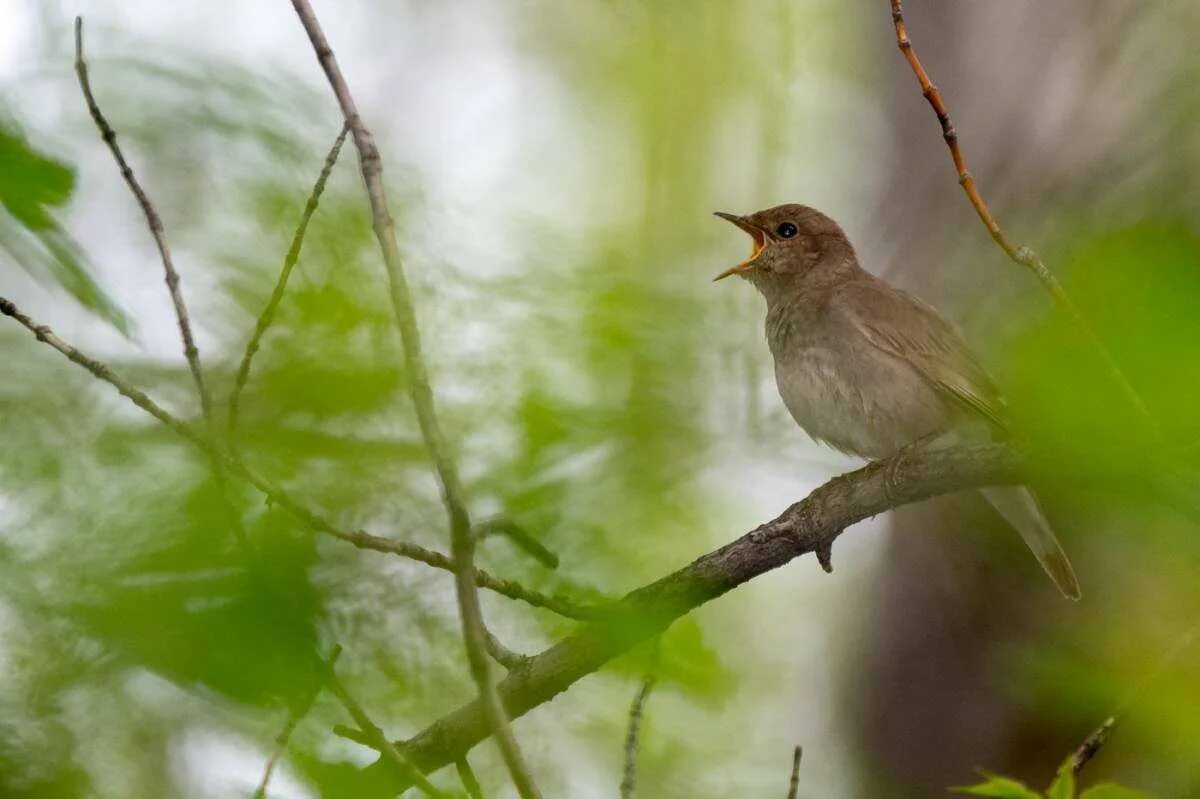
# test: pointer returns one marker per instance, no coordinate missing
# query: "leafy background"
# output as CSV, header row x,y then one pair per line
x,y
552,169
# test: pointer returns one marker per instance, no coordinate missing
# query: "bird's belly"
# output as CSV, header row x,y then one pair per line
x,y
864,403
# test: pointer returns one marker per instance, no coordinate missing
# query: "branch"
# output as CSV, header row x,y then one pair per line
x,y
807,526
289,263
1019,254
462,542
794,784
236,467
190,352
632,736
372,731
469,780
285,735
1091,745
154,221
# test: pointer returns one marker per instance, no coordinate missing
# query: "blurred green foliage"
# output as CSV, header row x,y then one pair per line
x,y
32,187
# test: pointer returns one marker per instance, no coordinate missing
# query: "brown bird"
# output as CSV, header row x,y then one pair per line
x,y
869,369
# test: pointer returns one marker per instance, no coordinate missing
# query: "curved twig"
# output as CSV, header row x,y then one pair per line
x,y
1019,254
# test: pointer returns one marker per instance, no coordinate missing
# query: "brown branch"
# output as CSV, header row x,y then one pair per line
x,y
1091,745
469,780
277,495
462,541
794,784
1019,254
190,352
375,735
803,528
632,736
520,538
501,653
285,735
171,275
289,263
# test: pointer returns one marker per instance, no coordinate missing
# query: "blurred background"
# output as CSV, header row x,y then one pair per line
x,y
553,168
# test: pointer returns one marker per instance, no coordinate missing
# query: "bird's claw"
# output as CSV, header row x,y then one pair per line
x,y
825,556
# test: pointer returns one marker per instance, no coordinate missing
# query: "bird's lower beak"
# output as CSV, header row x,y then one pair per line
x,y
760,241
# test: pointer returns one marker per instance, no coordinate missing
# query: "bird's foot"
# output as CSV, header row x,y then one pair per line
x,y
824,552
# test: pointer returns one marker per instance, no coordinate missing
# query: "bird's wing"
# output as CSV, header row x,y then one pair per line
x,y
906,328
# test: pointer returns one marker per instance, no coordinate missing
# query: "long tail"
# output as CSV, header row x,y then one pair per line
x,y
1020,508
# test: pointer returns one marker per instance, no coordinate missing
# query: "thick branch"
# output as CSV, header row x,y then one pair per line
x,y
277,495
462,540
807,526
1019,254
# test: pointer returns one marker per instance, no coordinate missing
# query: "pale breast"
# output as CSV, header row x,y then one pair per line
x,y
846,392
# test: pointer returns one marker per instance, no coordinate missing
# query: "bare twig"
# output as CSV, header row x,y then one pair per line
x,y
1019,254
190,352
285,735
469,780
646,612
1091,745
794,784
289,262
519,537
390,752
171,275
462,541
502,654
277,495
633,735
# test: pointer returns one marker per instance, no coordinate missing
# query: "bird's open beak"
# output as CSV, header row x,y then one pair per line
x,y
760,241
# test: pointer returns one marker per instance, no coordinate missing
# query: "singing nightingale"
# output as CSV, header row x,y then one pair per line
x,y
869,369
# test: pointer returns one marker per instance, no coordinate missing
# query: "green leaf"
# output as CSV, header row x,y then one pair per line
x,y
1063,786
31,185
997,786
1110,790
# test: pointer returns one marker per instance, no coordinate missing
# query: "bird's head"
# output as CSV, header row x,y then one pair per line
x,y
788,242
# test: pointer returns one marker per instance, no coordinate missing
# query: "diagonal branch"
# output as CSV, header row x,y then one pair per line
x,y
633,734
154,221
807,526
462,540
285,735
190,352
235,466
373,733
289,263
1019,254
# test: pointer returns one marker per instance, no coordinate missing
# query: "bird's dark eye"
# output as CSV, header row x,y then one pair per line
x,y
786,230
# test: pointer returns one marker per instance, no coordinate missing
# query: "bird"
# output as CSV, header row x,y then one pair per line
x,y
869,369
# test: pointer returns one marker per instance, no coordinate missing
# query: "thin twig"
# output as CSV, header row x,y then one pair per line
x,y
502,654
633,736
520,538
289,262
794,785
171,276
462,541
1019,254
190,352
1091,745
373,732
285,735
234,466
469,780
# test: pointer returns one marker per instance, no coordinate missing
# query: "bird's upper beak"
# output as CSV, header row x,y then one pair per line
x,y
756,233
